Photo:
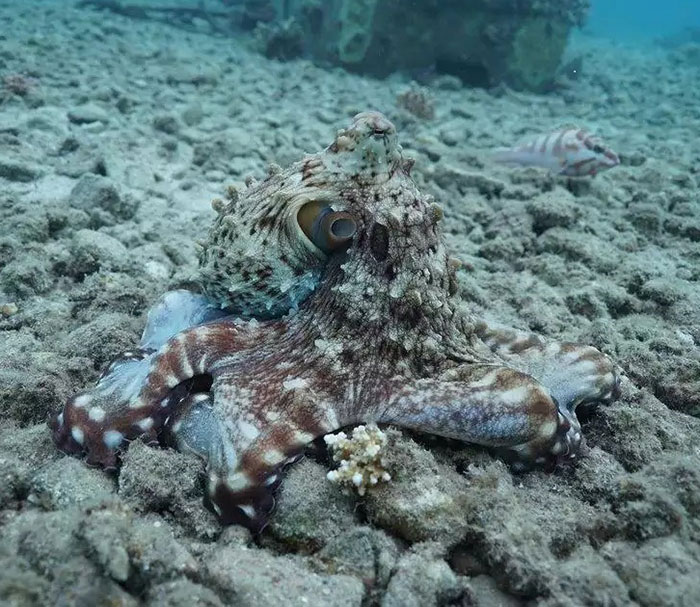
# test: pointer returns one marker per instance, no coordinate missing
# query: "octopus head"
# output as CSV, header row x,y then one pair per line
x,y
353,204
396,265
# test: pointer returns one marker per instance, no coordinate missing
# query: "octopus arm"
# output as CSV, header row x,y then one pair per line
x,y
574,374
486,404
146,392
268,423
175,312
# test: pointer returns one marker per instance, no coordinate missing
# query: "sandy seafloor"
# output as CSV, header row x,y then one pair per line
x,y
107,169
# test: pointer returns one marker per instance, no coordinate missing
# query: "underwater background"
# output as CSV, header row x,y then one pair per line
x,y
643,20
120,122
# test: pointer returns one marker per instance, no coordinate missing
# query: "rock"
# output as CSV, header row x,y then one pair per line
x,y
193,114
94,192
586,579
454,132
103,338
198,75
32,226
21,171
551,209
599,254
30,446
686,227
486,592
116,292
661,499
254,578
182,593
451,177
363,552
585,303
31,397
235,536
481,44
26,276
646,217
662,571
598,474
15,485
166,123
92,251
425,500
138,551
617,299
662,291
447,82
88,114
521,533
37,543
68,146
19,585
46,540
647,420
167,482
69,482
423,579
311,510
76,157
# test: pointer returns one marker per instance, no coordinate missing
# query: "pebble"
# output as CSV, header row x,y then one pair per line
x,y
8,309
21,171
87,114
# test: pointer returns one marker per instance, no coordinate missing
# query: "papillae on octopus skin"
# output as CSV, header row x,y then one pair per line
x,y
326,299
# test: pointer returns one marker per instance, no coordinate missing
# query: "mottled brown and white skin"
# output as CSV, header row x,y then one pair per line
x,y
345,245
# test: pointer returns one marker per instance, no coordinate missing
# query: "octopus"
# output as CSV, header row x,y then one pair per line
x,y
327,298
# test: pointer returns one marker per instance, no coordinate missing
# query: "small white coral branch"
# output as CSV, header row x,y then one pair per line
x,y
360,458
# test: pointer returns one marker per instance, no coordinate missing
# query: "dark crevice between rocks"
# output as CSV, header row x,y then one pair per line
x,y
470,558
471,74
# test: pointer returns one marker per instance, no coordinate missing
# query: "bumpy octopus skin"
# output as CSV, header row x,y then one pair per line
x,y
328,299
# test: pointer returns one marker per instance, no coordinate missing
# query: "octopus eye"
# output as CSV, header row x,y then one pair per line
x,y
327,229
598,149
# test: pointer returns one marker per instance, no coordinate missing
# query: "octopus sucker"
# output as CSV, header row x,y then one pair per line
x,y
327,298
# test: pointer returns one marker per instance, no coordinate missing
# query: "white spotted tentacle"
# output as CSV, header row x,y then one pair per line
x,y
489,405
573,374
139,393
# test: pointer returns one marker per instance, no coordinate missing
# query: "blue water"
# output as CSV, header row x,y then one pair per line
x,y
642,20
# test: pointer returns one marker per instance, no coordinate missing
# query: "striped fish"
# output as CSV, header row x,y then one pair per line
x,y
569,151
